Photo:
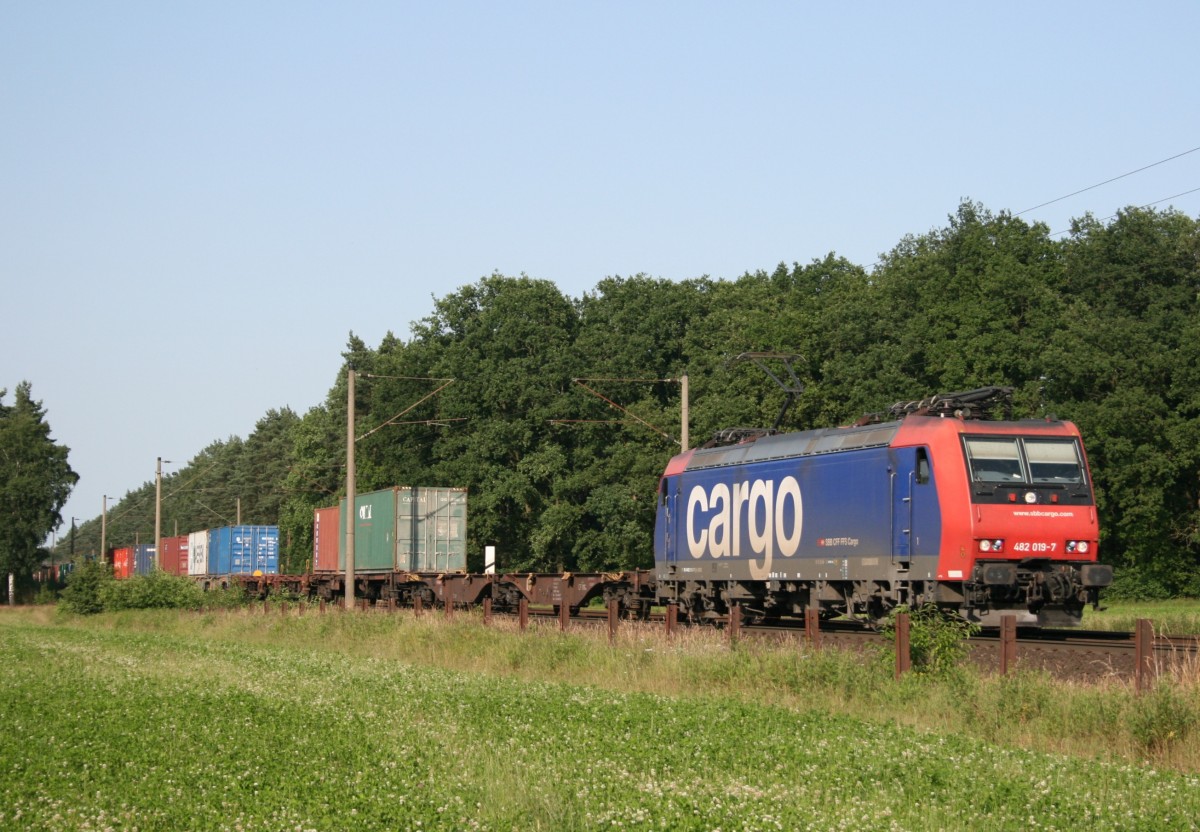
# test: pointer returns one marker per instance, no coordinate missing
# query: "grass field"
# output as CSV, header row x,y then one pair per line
x,y
240,721
1179,617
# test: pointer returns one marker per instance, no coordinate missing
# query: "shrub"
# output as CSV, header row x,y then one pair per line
x,y
225,599
85,588
92,589
937,639
157,590
1137,584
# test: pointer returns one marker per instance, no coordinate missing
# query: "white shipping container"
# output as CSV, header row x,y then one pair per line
x,y
198,553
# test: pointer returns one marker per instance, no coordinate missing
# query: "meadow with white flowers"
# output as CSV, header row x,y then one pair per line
x,y
232,721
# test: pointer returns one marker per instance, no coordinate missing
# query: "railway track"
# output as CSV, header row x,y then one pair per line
x,y
1077,655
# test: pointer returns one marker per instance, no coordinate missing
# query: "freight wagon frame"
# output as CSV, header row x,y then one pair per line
x,y
633,590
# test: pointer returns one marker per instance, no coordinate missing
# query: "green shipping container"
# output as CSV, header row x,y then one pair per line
x,y
408,529
374,531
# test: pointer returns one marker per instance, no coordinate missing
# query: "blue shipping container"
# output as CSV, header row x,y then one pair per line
x,y
243,550
143,559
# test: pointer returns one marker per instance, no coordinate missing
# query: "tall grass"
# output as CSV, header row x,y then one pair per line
x,y
1023,710
242,721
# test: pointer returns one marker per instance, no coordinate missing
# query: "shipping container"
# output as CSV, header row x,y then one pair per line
x,y
409,529
143,559
122,562
374,531
243,550
198,553
431,530
175,555
326,539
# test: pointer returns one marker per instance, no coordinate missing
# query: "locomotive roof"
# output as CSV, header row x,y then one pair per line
x,y
800,443
830,440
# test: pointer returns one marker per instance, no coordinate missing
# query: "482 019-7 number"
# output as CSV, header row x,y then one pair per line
x,y
1026,546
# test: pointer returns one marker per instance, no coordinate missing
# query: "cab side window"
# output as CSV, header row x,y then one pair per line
x,y
922,466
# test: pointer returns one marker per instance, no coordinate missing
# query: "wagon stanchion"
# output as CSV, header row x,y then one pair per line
x,y
812,627
735,622
564,608
487,611
903,657
613,612
1008,644
391,606
523,614
672,618
1143,668
449,606
418,605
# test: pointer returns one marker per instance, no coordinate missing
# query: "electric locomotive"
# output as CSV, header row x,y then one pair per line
x,y
987,518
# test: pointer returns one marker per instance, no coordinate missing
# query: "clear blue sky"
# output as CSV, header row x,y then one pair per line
x,y
200,201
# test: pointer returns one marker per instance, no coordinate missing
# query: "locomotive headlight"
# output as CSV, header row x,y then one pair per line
x,y
1078,546
996,545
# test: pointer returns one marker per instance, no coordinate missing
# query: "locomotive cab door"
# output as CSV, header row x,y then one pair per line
x,y
666,534
914,506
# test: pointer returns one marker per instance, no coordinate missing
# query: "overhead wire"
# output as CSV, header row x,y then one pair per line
x,y
1147,205
394,419
1107,181
627,411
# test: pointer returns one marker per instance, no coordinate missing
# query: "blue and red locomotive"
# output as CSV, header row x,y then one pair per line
x,y
988,518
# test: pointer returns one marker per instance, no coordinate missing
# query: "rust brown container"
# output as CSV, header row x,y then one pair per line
x,y
175,555
326,534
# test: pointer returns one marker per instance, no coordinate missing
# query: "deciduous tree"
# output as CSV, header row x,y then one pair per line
x,y
35,481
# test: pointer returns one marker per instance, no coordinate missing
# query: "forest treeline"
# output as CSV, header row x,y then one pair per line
x,y
558,413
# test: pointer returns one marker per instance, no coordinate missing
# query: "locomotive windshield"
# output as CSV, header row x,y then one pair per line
x,y
1053,461
994,459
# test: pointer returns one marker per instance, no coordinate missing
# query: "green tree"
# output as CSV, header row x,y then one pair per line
x,y
965,306
316,479
631,348
507,342
1124,363
35,481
